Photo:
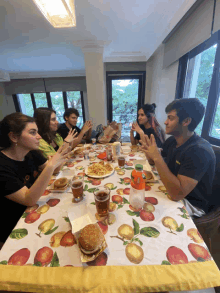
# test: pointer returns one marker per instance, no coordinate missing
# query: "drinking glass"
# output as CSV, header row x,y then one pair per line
x,y
121,161
77,183
109,153
102,199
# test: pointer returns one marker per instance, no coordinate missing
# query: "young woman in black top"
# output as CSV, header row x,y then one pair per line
x,y
21,183
147,124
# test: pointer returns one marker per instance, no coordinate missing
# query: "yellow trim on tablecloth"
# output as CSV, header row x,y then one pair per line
x,y
152,278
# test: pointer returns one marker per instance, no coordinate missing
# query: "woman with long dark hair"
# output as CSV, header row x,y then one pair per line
x,y
21,183
47,127
147,125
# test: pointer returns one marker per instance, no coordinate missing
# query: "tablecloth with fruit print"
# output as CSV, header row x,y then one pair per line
x,y
160,235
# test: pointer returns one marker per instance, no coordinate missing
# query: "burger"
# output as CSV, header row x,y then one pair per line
x,y
91,239
61,183
148,175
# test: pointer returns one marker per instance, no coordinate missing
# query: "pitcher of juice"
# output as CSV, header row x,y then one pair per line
x,y
137,192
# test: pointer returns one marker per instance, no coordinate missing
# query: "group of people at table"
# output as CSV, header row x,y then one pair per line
x,y
32,149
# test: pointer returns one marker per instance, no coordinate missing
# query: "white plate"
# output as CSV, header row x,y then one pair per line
x,y
102,176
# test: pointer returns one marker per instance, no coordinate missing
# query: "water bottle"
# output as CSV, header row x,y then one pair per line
x,y
137,192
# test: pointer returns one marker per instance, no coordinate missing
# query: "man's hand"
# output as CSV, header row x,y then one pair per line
x,y
87,126
150,148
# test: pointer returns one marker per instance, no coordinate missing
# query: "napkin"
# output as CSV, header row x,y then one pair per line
x,y
80,215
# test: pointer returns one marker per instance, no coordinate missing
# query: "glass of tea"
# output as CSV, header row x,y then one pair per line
x,y
102,199
77,188
109,153
121,161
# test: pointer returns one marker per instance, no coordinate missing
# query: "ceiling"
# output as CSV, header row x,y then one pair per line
x,y
130,30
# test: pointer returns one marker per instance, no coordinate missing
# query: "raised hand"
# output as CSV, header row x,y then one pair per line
x,y
136,127
87,126
60,157
71,135
149,147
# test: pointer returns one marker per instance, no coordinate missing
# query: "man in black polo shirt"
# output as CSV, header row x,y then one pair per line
x,y
70,116
187,163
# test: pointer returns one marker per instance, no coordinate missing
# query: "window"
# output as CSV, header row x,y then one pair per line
x,y
58,104
59,101
74,100
125,94
40,100
198,78
25,104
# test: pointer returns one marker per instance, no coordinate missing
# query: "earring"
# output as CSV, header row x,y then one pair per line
x,y
16,144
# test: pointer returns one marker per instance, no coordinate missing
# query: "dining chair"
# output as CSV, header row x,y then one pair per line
x,y
208,225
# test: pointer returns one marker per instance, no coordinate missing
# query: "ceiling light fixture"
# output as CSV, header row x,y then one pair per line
x,y
60,13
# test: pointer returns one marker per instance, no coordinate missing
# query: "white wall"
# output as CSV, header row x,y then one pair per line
x,y
160,83
6,103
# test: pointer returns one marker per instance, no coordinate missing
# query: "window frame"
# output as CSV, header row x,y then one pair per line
x,y
117,75
213,96
49,101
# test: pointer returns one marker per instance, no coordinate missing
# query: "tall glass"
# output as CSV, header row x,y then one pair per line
x,y
77,188
102,199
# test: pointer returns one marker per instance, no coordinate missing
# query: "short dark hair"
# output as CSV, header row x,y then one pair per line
x,y
42,117
185,108
70,111
16,123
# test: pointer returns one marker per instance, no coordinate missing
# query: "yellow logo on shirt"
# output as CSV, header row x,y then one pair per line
x,y
178,162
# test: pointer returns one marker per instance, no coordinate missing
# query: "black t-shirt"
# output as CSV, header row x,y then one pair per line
x,y
63,130
13,176
148,132
194,159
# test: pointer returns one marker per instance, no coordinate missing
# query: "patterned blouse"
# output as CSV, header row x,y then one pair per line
x,y
47,149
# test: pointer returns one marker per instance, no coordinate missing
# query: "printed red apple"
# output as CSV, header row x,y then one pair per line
x,y
176,256
198,251
133,209
43,256
129,163
53,202
146,216
81,174
31,209
126,191
101,260
70,165
20,257
103,227
78,161
117,198
68,239
147,187
127,180
152,200
32,217
46,192
96,182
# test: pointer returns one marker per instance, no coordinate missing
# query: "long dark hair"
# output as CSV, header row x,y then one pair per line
x,y
42,117
16,123
149,111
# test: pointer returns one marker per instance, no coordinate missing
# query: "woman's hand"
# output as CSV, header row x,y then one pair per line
x,y
136,127
71,135
60,157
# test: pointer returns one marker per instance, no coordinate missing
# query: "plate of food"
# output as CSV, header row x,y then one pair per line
x,y
60,185
99,170
91,242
